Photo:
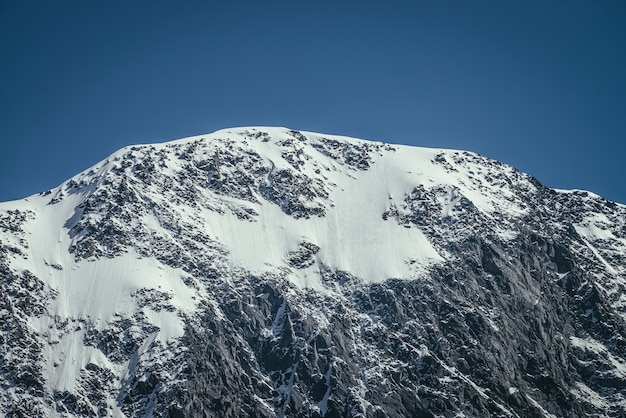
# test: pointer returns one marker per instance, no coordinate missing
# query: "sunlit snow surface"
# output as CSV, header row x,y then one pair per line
x,y
350,183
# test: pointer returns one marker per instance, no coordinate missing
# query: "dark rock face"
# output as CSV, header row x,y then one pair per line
x,y
459,342
525,317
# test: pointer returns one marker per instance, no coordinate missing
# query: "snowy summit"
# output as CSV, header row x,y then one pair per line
x,y
271,272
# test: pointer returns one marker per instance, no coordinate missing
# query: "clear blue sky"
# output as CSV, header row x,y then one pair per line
x,y
540,84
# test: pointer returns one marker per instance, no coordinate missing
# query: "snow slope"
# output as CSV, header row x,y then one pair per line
x,y
121,254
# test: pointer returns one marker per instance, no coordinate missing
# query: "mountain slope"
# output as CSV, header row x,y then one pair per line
x,y
271,272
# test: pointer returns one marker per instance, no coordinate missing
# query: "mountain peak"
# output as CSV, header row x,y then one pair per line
x,y
311,274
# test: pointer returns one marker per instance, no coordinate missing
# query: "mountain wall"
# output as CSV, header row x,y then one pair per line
x,y
267,272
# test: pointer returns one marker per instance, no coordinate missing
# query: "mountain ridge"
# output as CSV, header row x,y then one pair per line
x,y
311,275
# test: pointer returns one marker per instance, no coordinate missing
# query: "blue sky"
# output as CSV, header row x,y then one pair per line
x,y
540,85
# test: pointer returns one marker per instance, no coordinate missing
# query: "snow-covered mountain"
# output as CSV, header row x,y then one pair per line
x,y
266,272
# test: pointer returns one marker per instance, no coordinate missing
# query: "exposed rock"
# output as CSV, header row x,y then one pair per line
x,y
217,276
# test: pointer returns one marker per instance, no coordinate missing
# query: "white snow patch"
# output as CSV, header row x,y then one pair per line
x,y
455,372
539,407
594,346
587,395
